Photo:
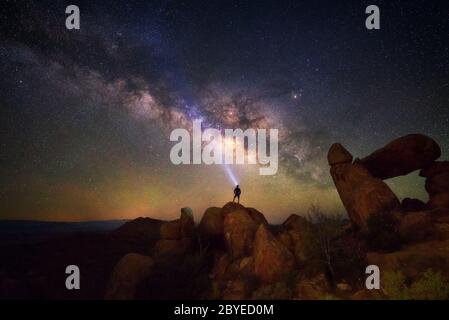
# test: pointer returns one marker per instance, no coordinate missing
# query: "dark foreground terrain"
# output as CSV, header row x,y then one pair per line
x,y
234,253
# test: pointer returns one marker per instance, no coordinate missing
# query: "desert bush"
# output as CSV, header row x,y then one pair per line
x,y
394,286
430,286
327,238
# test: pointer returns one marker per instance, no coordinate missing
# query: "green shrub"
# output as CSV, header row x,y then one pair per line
x,y
430,286
395,287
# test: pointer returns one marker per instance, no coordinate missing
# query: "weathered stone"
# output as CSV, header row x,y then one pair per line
x,y
212,222
361,194
369,198
237,289
239,229
171,249
180,228
231,207
338,154
257,216
409,204
402,156
314,288
438,183
416,226
272,259
246,266
435,168
129,272
221,265
439,200
295,233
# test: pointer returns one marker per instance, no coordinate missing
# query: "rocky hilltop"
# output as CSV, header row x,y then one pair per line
x,y
235,254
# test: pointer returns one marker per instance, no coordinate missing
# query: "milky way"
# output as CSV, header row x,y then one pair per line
x,y
86,115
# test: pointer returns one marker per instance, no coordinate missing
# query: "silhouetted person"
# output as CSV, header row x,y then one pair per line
x,y
237,193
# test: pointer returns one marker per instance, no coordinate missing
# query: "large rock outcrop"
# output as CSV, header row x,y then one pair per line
x,y
437,184
295,235
272,260
362,194
402,156
175,237
180,228
127,275
212,224
239,231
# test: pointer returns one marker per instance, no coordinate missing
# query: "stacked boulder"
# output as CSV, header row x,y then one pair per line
x,y
176,238
423,228
362,194
256,259
360,183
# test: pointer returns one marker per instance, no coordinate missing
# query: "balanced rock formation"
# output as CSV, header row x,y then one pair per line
x,y
129,272
402,156
272,259
362,194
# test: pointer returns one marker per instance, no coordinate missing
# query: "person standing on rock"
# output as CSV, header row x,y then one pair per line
x,y
237,193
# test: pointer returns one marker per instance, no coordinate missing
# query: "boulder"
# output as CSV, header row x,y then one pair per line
x,y
409,204
221,265
171,250
257,216
180,228
402,156
438,183
239,230
361,194
237,289
440,220
127,275
440,215
435,168
295,236
313,289
369,198
246,266
171,230
416,226
211,224
338,154
297,223
439,200
231,207
272,260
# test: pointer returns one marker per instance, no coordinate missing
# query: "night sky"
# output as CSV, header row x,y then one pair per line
x,y
86,115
